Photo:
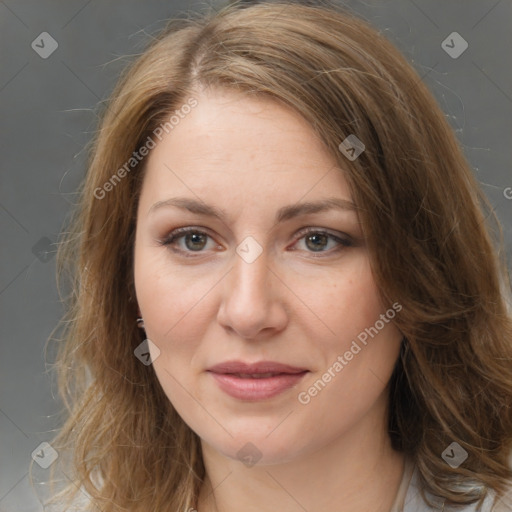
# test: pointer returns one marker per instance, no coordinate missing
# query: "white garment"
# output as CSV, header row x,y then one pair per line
x,y
409,499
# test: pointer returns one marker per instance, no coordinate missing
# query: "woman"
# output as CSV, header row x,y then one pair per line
x,y
286,292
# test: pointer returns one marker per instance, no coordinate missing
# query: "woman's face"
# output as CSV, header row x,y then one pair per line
x,y
260,275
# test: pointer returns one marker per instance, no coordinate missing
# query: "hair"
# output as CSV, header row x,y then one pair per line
x,y
433,240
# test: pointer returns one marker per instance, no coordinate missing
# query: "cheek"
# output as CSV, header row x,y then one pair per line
x,y
170,303
176,307
352,328
344,303
164,294
368,341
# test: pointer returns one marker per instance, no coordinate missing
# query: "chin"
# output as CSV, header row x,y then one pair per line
x,y
251,446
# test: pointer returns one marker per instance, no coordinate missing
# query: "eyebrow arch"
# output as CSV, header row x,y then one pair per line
x,y
283,214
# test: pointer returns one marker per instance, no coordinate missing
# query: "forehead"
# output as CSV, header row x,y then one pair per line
x,y
232,144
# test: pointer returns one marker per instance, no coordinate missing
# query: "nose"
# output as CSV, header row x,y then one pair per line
x,y
253,303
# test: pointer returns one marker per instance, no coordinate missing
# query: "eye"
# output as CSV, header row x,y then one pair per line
x,y
193,240
319,240
189,240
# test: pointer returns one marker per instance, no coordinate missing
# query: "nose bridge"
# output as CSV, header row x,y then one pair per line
x,y
250,279
248,303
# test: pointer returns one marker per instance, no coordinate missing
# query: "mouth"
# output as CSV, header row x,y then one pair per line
x,y
256,375
257,381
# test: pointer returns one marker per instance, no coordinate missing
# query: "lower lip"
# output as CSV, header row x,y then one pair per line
x,y
256,389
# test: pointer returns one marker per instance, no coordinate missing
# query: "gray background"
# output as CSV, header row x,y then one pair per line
x,y
48,115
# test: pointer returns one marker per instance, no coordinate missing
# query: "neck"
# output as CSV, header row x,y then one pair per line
x,y
357,471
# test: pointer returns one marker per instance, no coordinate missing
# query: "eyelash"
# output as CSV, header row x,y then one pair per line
x,y
175,235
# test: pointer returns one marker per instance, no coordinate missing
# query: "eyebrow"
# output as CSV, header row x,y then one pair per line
x,y
283,214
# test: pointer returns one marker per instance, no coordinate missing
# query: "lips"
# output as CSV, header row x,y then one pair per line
x,y
254,375
255,381
257,369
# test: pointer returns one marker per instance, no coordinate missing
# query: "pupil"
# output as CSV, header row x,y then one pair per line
x,y
317,237
196,238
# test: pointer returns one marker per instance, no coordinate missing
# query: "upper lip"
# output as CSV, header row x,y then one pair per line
x,y
254,368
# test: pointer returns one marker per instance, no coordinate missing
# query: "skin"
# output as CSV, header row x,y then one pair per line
x,y
300,303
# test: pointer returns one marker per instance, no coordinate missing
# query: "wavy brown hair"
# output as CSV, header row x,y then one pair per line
x,y
431,234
